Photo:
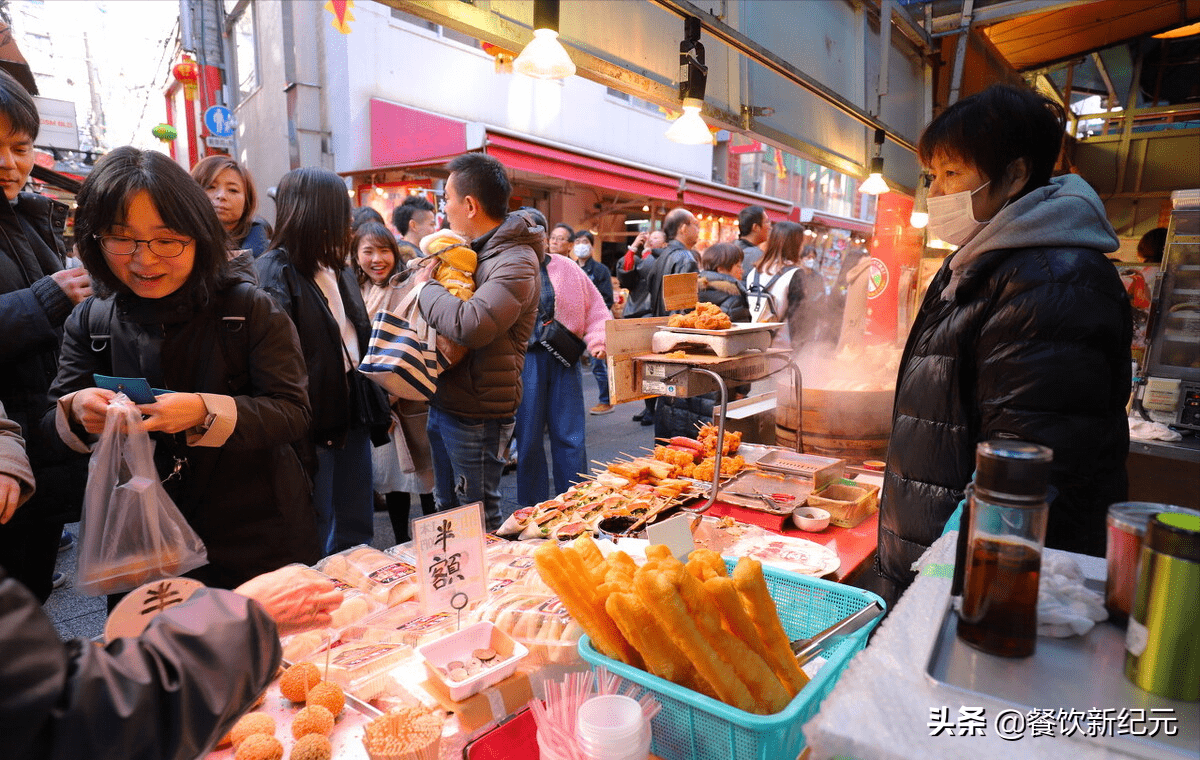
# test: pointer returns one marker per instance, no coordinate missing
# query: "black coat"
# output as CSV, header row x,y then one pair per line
x,y
675,258
302,299
32,311
250,499
1035,346
725,291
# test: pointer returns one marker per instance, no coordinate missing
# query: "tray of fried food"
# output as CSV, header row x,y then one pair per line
x,y
693,625
706,316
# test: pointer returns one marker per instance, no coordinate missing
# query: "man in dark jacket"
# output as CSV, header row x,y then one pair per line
x,y
683,232
36,295
472,413
754,226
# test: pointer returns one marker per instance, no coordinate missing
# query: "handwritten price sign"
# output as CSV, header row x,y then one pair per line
x,y
450,558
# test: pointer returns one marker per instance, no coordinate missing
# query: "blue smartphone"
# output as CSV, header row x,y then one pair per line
x,y
136,388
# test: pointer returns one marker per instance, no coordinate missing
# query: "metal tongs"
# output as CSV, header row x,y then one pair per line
x,y
807,649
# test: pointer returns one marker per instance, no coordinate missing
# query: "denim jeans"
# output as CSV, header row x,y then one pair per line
x,y
600,372
552,398
343,493
468,460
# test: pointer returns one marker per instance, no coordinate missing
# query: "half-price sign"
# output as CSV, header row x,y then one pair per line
x,y
450,558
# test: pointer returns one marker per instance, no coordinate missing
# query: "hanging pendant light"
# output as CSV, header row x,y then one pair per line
x,y
875,184
690,129
544,57
920,213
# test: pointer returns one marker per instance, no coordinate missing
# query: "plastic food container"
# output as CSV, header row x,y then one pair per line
x,y
692,725
458,647
361,668
385,578
540,622
848,503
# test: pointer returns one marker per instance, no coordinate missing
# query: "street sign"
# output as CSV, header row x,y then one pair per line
x,y
221,143
220,121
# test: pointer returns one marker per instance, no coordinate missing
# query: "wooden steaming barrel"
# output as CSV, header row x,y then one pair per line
x,y
850,425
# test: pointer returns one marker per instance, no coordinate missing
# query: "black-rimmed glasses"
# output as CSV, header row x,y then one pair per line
x,y
119,245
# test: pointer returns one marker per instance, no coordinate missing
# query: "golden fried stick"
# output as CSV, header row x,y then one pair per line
x,y
659,591
565,573
588,550
769,694
752,587
663,658
737,622
710,559
659,552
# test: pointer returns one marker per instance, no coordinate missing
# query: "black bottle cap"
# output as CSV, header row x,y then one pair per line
x,y
1012,470
1175,534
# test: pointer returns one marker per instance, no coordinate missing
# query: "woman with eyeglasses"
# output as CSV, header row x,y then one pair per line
x,y
172,311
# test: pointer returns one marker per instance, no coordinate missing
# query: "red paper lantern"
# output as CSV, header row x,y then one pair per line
x,y
188,74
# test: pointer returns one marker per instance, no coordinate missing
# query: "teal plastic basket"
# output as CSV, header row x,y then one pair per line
x,y
692,725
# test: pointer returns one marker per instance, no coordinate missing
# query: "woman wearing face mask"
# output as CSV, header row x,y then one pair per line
x,y
403,466
1024,333
230,187
583,251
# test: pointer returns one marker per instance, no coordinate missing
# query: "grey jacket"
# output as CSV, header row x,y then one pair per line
x,y
170,694
494,324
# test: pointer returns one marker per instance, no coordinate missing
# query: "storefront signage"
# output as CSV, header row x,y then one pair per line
x,y
59,127
451,566
877,278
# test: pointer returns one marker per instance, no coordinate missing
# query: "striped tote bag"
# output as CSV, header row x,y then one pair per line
x,y
402,355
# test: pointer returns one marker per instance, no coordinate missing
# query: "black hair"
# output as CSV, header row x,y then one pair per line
x,y
675,219
994,128
104,202
538,217
584,234
313,214
721,256
484,179
570,230
1151,246
18,105
205,173
402,215
380,235
360,215
748,217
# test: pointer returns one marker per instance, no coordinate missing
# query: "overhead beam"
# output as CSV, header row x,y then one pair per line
x,y
997,12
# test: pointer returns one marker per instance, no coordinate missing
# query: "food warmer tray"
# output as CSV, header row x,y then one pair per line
x,y
729,342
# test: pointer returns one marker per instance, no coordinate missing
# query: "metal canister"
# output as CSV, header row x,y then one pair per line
x,y
1163,639
1126,530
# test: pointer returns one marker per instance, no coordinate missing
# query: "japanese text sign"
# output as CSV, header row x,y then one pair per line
x,y
450,558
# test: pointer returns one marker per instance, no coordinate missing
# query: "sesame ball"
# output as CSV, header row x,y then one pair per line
x,y
259,747
329,695
298,679
313,719
251,723
312,747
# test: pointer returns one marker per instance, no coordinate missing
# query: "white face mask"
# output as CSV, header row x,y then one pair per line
x,y
810,263
582,251
952,218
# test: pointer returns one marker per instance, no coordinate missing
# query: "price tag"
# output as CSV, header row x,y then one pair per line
x,y
450,558
679,291
676,533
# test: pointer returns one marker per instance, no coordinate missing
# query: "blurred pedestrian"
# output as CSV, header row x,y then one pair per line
x,y
230,187
720,280
361,215
583,252
1150,247
413,219
37,292
402,466
754,227
306,272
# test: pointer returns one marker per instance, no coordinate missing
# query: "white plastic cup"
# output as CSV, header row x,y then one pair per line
x,y
612,727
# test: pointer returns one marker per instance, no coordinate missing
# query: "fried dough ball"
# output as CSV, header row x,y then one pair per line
x,y
329,695
259,747
298,679
251,723
312,747
313,719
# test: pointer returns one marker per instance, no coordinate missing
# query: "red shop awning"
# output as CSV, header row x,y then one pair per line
x,y
404,137
813,216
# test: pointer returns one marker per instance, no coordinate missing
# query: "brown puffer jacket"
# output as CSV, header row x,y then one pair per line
x,y
494,324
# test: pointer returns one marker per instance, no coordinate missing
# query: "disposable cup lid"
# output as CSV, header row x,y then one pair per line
x,y
610,719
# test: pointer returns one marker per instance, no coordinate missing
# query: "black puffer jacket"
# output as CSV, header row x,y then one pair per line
x,y
32,311
301,298
1025,342
725,291
249,499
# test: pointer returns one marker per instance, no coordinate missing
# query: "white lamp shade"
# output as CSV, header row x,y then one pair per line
x,y
874,185
919,219
690,128
544,57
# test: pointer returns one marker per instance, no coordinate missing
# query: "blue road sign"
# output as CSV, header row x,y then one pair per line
x,y
219,121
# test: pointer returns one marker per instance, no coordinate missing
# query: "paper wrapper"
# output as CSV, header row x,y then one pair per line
x,y
409,733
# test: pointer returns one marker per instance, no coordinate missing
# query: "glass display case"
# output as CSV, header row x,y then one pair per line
x,y
1173,364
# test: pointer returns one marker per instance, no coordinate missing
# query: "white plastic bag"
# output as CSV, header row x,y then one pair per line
x,y
131,532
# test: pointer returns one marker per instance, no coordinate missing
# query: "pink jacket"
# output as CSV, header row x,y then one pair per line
x,y
577,303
